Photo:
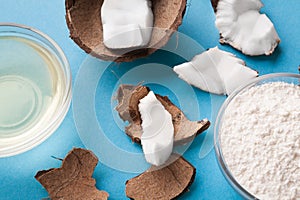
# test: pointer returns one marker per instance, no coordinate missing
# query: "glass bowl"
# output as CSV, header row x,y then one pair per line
x,y
35,88
275,77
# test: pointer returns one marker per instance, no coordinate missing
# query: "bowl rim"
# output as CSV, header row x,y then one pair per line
x,y
59,116
217,146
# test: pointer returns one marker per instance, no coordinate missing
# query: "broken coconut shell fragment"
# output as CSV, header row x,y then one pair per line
x,y
128,97
165,183
84,22
73,180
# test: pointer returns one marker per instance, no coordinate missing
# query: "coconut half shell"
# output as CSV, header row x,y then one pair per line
x,y
84,22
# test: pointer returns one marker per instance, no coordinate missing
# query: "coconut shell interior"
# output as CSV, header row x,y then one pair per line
x,y
84,22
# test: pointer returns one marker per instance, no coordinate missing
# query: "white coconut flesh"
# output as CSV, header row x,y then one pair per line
x,y
243,27
215,71
158,131
126,24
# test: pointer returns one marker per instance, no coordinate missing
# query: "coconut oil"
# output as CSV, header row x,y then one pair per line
x,y
31,82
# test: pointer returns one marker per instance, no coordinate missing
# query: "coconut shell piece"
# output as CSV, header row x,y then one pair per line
x,y
84,22
73,181
165,183
129,96
214,4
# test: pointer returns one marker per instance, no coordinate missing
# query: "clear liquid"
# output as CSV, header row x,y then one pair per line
x,y
31,86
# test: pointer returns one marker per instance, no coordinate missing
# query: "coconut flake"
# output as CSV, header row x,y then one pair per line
x,y
158,130
242,26
126,24
215,71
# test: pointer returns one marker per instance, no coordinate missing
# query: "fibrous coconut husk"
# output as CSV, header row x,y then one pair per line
x,y
73,180
129,96
165,183
84,22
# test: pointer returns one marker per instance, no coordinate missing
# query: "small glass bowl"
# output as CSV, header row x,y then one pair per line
x,y
57,80
275,77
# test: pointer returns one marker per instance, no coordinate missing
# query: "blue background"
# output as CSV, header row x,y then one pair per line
x,y
17,172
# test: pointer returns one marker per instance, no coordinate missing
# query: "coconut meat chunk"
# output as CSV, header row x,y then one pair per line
x,y
158,131
242,26
197,73
126,24
215,71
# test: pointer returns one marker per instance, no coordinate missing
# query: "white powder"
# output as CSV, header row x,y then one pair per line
x,y
260,140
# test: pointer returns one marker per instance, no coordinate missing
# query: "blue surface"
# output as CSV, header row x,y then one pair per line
x,y
17,173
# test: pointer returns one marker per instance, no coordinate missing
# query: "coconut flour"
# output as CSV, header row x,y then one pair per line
x,y
260,140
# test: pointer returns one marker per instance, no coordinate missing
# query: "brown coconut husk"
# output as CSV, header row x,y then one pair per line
x,y
84,22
